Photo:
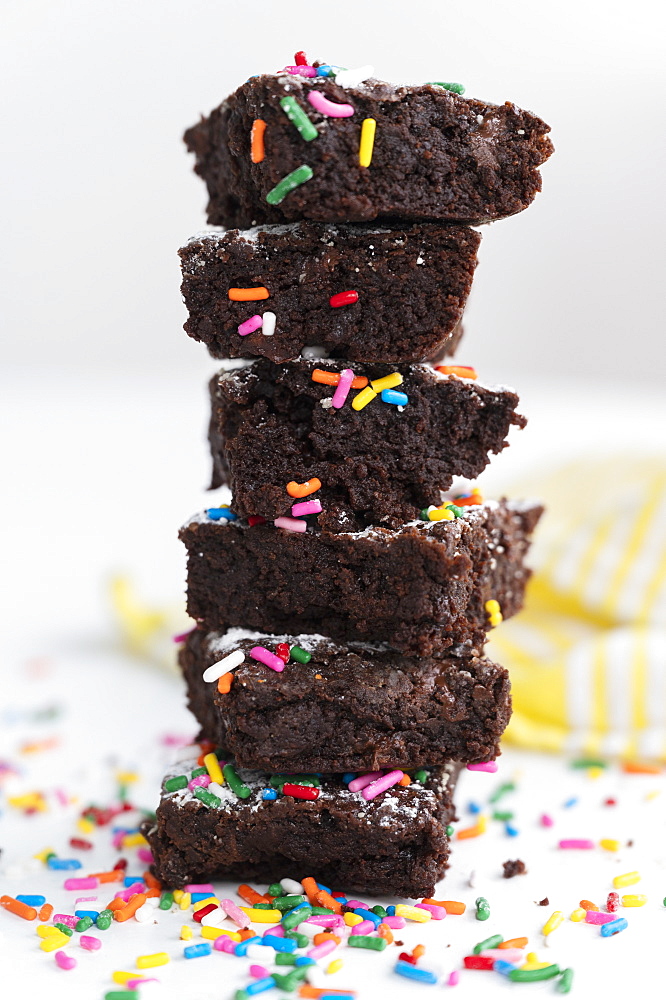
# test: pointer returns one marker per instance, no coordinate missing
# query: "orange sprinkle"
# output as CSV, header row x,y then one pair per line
x,y
225,682
251,895
257,140
383,930
303,489
638,767
311,889
245,933
405,780
513,943
115,904
463,371
325,936
471,831
333,378
419,951
18,908
248,294
45,912
129,909
151,881
450,905
585,904
115,875
323,898
153,893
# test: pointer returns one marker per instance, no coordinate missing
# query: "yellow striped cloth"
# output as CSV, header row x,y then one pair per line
x,y
587,656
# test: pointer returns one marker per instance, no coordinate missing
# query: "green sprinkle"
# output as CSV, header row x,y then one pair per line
x,y
234,782
564,984
296,917
275,889
208,799
508,786
365,941
103,923
65,929
300,655
534,975
423,514
286,902
289,183
585,762
278,780
298,118
503,817
302,940
449,831
285,958
83,924
321,911
455,88
166,901
198,771
456,511
121,995
379,911
491,942
482,908
421,776
241,995
263,906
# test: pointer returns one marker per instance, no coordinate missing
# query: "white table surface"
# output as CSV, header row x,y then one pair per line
x,y
98,475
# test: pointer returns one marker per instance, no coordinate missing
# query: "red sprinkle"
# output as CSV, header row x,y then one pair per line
x,y
612,902
81,845
484,962
301,59
198,914
255,519
610,802
406,957
121,863
282,650
343,299
300,791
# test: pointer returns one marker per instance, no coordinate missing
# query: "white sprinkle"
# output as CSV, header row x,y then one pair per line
x,y
224,666
471,881
291,886
479,119
352,77
268,324
521,131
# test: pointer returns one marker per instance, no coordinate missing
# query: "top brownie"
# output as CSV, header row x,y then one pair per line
x,y
436,155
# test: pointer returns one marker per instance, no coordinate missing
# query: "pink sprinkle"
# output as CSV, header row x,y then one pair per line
x,y
547,820
90,943
130,891
274,931
356,784
80,883
202,781
265,656
343,387
84,899
356,904
376,788
595,917
199,887
135,984
224,943
329,108
250,325
61,797
65,961
300,70
395,922
512,955
454,978
573,845
64,918
290,524
326,947
489,765
259,971
181,637
438,912
365,927
234,913
145,855
307,507
118,839
325,920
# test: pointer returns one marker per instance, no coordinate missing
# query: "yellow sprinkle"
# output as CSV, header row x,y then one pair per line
x,y
595,772
387,382
630,878
186,933
652,795
535,965
352,918
123,977
214,932
85,826
531,956
334,966
31,800
43,854
441,514
553,922
213,767
47,930
262,916
610,845
637,900
363,397
134,840
200,903
411,913
577,915
54,941
185,901
366,145
492,606
495,620
150,961
178,895
126,777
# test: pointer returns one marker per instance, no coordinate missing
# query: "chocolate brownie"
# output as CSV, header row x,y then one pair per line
x,y
393,844
349,708
436,155
273,424
409,288
422,588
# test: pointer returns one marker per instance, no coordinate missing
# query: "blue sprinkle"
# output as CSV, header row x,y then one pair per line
x,y
269,794
32,900
504,968
198,950
260,986
324,888
278,943
570,802
241,948
63,864
305,960
346,778
614,927
221,514
132,880
474,807
341,900
93,914
412,972
325,71
398,399
299,907
369,915
511,831
198,896
390,911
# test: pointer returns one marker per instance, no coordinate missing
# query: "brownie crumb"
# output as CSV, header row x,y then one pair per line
x,y
512,868
543,902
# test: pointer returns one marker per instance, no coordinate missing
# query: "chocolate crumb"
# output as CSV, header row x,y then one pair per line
x,y
543,902
512,868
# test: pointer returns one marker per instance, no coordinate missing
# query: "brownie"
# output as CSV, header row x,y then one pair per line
x,y
437,155
410,287
421,588
350,708
273,424
394,844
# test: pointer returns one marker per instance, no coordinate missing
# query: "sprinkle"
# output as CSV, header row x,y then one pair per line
x,y
573,845
332,109
546,820
344,385
518,942
208,799
333,378
301,59
248,294
213,767
455,88
450,905
80,883
365,941
300,791
32,900
534,975
490,766
258,916
90,943
610,845
553,922
257,152
436,912
222,513
364,397
577,915
607,930
17,908
343,299
463,371
54,941
300,70
236,786
492,942
630,878
482,908
298,490
367,142
454,978
66,962
298,118
411,913
481,962
300,655
198,950
150,961
250,325
472,831
309,507
397,398
264,655
290,524
223,666
595,917
639,767
411,972
386,382
379,785
587,905
363,780
637,900
565,981
288,183
352,77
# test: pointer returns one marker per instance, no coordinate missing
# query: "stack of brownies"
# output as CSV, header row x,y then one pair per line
x,y
343,598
